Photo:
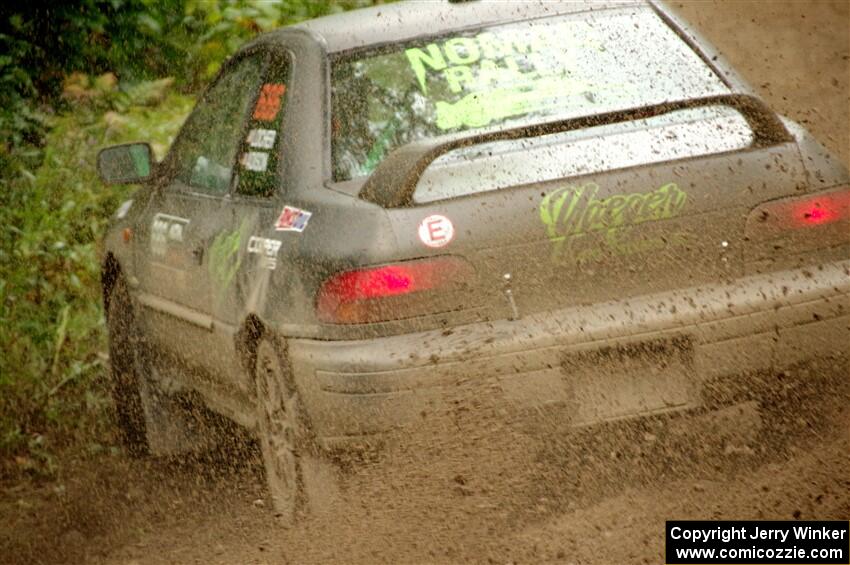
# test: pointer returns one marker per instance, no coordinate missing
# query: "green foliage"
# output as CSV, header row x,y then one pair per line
x,y
142,39
52,372
74,77
21,123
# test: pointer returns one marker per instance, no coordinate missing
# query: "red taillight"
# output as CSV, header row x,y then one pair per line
x,y
807,211
392,291
795,225
821,210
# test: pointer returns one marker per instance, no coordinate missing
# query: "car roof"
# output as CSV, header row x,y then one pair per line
x,y
401,21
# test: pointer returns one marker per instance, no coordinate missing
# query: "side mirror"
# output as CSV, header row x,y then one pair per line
x,y
125,164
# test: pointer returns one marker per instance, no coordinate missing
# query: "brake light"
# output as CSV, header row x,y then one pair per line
x,y
807,211
794,225
820,211
391,292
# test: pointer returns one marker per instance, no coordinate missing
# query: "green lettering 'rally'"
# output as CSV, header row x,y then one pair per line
x,y
497,77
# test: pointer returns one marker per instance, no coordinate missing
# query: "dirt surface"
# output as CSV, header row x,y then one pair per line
x,y
476,486
484,486
795,54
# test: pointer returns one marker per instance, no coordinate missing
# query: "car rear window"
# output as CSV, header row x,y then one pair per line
x,y
504,76
693,132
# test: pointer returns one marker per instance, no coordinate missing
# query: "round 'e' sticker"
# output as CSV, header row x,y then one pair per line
x,y
436,231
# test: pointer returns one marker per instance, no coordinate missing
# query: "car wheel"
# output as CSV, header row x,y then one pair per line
x,y
126,393
281,428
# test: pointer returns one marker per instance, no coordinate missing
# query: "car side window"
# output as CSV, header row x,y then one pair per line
x,y
258,161
205,153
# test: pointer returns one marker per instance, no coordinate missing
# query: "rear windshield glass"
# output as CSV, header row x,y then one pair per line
x,y
504,76
693,132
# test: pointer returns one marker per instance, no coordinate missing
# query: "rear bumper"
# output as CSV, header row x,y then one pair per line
x,y
360,388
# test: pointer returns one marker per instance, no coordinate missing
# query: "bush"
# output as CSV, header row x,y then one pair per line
x,y
75,76
52,377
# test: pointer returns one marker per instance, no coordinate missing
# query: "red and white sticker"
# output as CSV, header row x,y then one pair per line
x,y
436,231
292,219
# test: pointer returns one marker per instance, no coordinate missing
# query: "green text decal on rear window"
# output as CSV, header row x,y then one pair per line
x,y
514,74
498,76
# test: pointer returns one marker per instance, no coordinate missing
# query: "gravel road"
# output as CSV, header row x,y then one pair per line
x,y
489,490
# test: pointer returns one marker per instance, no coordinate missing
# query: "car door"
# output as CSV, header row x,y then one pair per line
x,y
181,254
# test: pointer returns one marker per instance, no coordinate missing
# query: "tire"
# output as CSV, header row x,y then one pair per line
x,y
123,344
281,429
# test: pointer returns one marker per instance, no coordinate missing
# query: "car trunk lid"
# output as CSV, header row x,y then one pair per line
x,y
622,229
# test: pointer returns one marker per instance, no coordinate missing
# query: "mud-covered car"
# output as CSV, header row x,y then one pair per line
x,y
578,204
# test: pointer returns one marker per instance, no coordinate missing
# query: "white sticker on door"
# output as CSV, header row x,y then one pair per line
x,y
166,228
267,250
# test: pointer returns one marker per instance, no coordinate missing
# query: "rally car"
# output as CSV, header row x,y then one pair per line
x,y
580,202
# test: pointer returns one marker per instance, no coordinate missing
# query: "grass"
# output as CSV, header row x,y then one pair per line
x,y
53,382
54,210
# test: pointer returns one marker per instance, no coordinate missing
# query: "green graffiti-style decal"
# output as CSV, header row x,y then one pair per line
x,y
453,57
490,61
419,58
225,259
573,212
479,109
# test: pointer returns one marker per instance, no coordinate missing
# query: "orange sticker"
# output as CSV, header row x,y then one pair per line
x,y
269,103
